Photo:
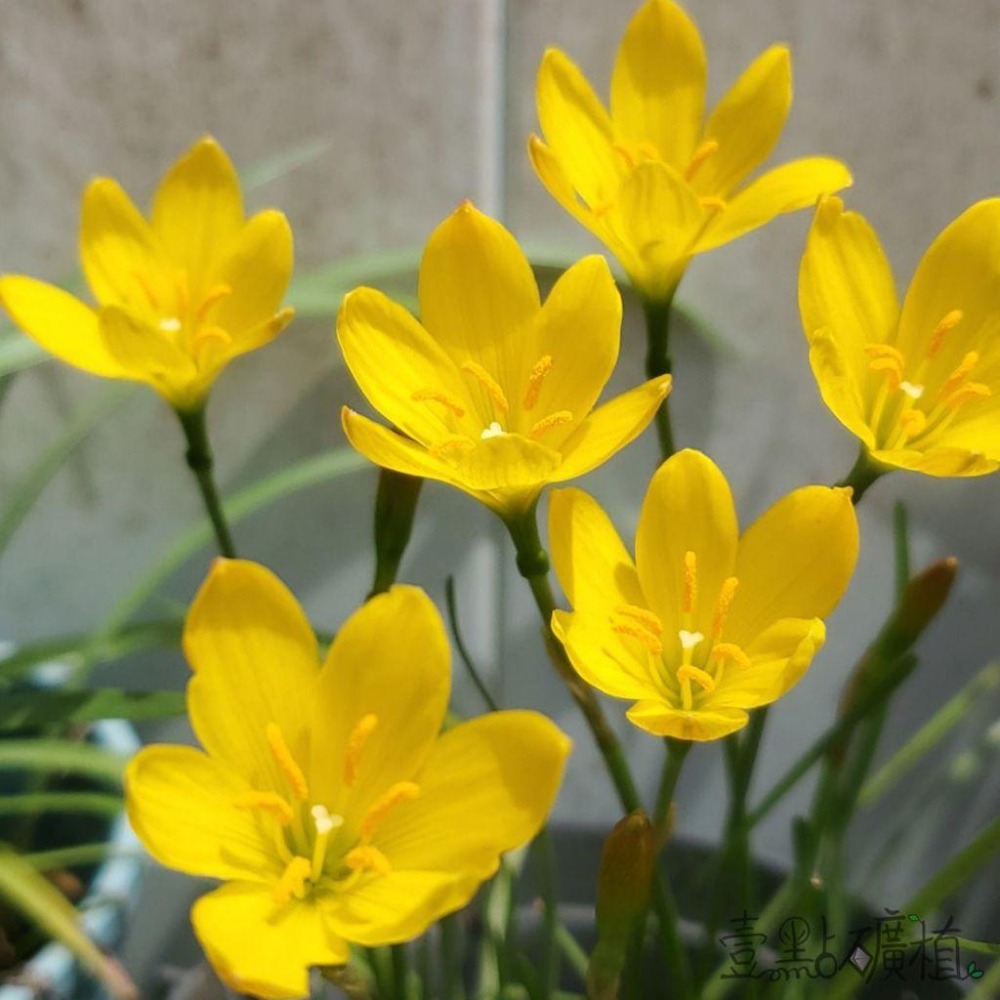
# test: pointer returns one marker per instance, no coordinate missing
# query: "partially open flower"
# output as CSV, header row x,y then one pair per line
x,y
920,386
493,391
178,296
706,623
326,797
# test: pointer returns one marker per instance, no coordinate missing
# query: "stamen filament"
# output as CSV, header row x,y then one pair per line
x,y
293,880
269,802
214,296
635,630
705,151
437,396
360,734
959,375
286,762
365,857
688,673
489,383
402,791
722,605
643,616
729,651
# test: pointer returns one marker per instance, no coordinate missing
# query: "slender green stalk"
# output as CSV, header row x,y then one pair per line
x,y
400,971
550,913
864,472
572,951
901,545
61,802
659,362
200,462
451,958
463,652
677,751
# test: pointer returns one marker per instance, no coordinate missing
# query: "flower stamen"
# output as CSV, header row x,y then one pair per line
x,y
539,371
688,673
704,152
489,384
558,419
944,327
437,396
689,593
451,444
643,616
359,736
722,605
713,203
293,880
286,762
959,375
635,630
365,857
401,791
214,296
269,802
726,652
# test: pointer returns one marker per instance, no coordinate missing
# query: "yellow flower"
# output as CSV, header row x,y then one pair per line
x,y
920,386
325,797
653,180
178,296
494,391
704,624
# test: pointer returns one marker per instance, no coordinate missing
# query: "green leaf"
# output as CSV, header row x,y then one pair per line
x,y
67,756
40,901
33,803
257,497
282,163
73,650
40,707
17,351
30,486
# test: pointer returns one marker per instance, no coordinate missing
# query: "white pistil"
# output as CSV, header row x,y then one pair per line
x,y
493,431
689,639
325,825
911,390
170,324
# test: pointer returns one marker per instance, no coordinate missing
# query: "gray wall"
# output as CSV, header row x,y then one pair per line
x,y
424,104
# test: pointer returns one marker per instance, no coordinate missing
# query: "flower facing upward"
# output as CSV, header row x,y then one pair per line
x,y
653,180
326,798
178,296
494,391
704,624
920,386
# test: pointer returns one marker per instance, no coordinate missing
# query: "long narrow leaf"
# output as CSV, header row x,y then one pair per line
x,y
27,709
282,163
38,899
61,755
32,803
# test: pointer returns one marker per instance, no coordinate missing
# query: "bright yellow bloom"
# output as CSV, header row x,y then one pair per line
x,y
704,624
494,390
326,797
919,386
178,296
651,179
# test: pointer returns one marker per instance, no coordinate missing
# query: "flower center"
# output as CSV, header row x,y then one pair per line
x,y
904,410
695,666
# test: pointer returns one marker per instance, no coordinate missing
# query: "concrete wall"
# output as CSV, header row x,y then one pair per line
x,y
422,104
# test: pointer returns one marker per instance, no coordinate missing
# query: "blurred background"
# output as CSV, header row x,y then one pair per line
x,y
394,112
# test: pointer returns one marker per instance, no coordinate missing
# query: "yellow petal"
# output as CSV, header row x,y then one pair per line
x,y
688,508
60,323
699,725
478,296
260,950
256,662
948,460
658,84
579,328
794,561
391,450
389,659
552,174
593,566
397,907
610,428
257,270
846,288
840,384
577,129
779,656
486,788
180,804
787,188
121,257
392,358
747,123
507,462
961,270
611,662
657,220
198,211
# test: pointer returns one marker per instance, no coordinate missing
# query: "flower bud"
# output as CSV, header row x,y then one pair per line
x,y
395,507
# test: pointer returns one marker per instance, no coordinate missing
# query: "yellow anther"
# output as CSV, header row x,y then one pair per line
x,y
967,393
643,616
402,791
214,296
689,597
539,370
636,631
489,383
959,375
367,858
147,289
702,678
210,335
712,202
452,444
947,324
293,880
362,730
912,423
889,366
885,351
558,419
437,396
705,151
602,209
626,154
647,151
269,802
723,651
722,605
284,759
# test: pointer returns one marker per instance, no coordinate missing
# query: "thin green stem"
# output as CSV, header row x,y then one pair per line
x,y
463,652
200,462
864,472
400,971
677,751
451,958
550,914
659,362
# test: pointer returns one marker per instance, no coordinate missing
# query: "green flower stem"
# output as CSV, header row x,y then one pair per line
x,y
200,462
659,362
864,472
677,751
533,565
